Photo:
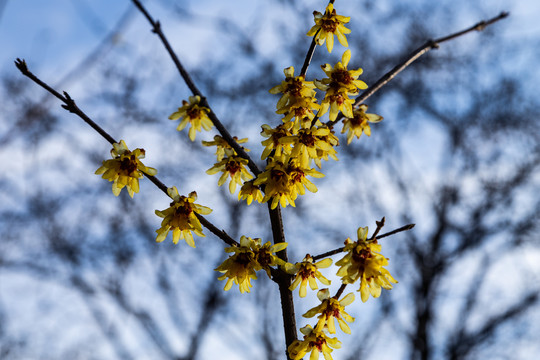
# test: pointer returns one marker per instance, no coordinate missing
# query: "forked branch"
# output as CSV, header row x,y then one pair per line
x,y
69,105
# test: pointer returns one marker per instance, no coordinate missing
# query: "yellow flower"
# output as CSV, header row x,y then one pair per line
x,y
340,77
292,87
298,99
359,123
191,112
338,85
332,141
298,179
306,272
336,101
250,192
233,167
328,25
248,258
301,109
277,184
223,147
315,342
180,217
331,309
273,143
363,261
125,169
264,255
307,143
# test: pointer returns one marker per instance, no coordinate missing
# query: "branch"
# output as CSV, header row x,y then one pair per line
x,y
415,55
309,56
156,28
337,251
275,214
69,105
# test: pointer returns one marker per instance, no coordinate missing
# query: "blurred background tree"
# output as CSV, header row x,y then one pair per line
x,y
457,153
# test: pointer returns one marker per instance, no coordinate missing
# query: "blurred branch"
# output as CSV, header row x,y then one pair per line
x,y
468,340
82,67
213,301
109,330
147,323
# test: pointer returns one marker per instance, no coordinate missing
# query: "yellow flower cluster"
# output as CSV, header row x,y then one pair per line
x,y
364,262
248,258
291,146
191,112
314,342
283,180
181,218
125,168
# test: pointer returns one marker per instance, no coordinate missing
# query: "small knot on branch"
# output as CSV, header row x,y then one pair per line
x,y
380,225
433,44
157,27
480,26
483,24
70,103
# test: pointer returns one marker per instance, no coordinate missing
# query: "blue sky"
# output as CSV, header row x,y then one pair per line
x,y
53,36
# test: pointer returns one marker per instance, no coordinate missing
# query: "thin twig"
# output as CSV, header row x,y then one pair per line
x,y
337,251
403,228
311,51
69,105
309,56
156,28
340,291
380,225
429,45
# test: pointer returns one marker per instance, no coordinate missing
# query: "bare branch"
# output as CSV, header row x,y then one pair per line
x,y
337,251
415,55
156,28
69,105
